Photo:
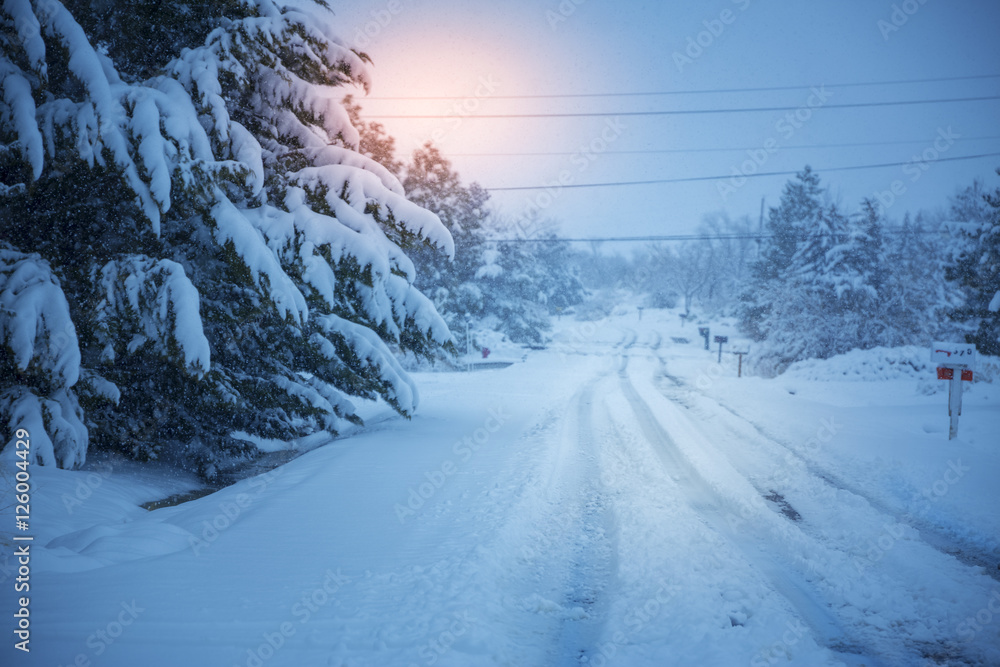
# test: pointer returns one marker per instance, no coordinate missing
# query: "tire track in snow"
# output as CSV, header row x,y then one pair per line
x,y
628,340
571,548
777,570
916,647
655,339
594,549
545,548
933,536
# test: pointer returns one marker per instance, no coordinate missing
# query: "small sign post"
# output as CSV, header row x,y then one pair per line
x,y
739,368
721,340
950,357
703,332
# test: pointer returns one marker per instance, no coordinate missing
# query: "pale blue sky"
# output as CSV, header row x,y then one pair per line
x,y
477,51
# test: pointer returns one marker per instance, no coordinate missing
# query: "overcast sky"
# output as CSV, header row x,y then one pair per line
x,y
481,54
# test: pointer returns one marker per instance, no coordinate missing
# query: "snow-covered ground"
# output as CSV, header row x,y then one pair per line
x,y
618,499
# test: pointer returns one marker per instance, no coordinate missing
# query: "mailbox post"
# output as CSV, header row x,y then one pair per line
x,y
703,332
740,354
721,340
952,357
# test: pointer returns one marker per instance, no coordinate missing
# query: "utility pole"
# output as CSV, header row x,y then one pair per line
x,y
760,226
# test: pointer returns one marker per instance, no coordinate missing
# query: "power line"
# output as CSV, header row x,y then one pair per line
x,y
695,92
741,236
718,150
690,179
679,112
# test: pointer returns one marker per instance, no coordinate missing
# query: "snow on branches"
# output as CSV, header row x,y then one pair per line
x,y
38,347
212,212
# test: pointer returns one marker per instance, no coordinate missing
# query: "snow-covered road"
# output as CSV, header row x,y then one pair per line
x,y
619,499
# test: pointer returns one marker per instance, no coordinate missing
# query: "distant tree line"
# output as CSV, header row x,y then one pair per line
x,y
813,280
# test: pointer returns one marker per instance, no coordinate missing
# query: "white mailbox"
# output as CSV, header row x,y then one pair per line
x,y
955,355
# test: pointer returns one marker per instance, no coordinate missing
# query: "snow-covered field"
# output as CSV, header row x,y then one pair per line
x,y
617,499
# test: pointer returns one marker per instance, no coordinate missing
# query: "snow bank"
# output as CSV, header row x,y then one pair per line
x,y
874,365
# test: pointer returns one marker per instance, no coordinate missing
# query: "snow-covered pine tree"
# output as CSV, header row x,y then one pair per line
x,y
917,295
192,243
508,287
806,317
798,214
854,268
374,141
829,295
556,271
430,182
977,265
516,285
